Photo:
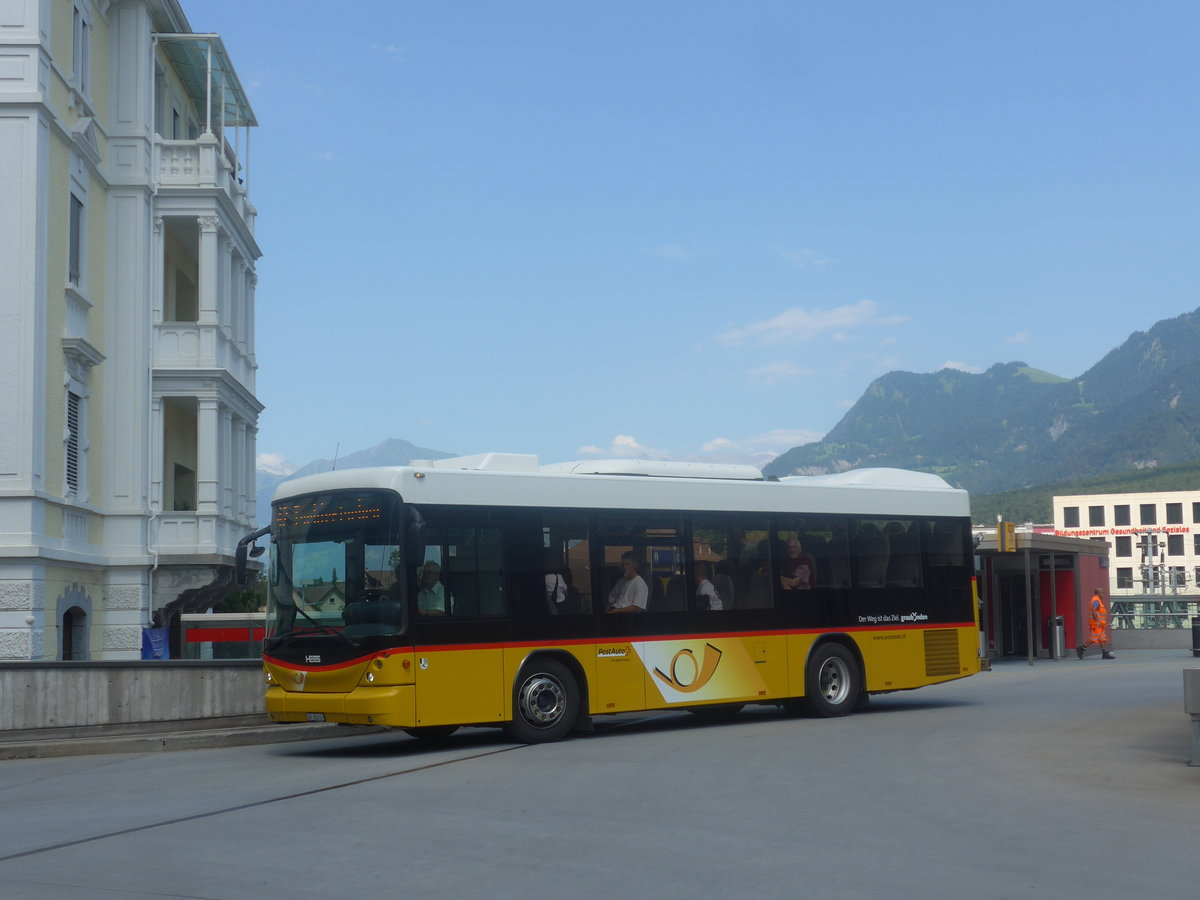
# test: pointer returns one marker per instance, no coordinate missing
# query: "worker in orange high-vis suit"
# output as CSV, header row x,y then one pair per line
x,y
1098,622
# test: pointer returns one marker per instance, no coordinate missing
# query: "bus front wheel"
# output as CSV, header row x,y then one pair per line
x,y
545,703
832,682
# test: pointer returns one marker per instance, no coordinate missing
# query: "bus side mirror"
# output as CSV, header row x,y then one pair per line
x,y
246,547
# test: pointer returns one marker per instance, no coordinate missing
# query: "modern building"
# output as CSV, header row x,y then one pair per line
x,y
1154,538
127,286
1033,591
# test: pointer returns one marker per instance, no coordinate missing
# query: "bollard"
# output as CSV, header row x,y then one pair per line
x,y
1191,706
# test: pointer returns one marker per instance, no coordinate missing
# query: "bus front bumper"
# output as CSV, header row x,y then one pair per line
x,y
392,706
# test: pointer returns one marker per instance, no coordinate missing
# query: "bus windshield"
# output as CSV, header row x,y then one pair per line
x,y
333,571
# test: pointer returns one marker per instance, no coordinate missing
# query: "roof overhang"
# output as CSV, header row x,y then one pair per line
x,y
204,66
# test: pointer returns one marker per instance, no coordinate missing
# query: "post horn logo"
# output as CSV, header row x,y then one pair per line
x,y
697,673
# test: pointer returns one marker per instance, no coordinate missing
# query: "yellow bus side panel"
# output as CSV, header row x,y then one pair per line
x,y
898,660
460,686
696,671
620,684
799,646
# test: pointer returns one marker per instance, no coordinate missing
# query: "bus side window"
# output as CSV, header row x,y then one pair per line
x,y
756,568
566,574
475,571
871,552
710,558
904,558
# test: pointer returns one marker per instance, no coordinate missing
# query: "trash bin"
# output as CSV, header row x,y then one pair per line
x,y
1196,636
1058,636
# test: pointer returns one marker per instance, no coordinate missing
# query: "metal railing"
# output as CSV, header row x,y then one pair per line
x,y
1154,612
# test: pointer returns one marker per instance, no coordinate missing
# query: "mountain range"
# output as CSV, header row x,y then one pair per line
x,y
1010,429
1013,426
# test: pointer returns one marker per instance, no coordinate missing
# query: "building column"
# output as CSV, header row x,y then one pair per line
x,y
252,511
225,462
208,434
157,455
251,284
209,266
238,465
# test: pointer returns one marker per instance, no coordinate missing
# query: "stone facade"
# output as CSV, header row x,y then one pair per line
x,y
127,369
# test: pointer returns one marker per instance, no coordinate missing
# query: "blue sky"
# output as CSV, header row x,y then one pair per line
x,y
696,230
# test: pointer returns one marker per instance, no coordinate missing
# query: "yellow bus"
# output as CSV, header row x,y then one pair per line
x,y
492,590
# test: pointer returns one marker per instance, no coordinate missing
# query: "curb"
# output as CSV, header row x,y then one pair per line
x,y
47,747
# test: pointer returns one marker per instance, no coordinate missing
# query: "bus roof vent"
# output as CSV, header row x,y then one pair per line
x,y
484,462
663,468
876,477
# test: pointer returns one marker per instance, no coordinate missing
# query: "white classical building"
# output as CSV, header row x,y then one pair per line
x,y
1153,538
127,254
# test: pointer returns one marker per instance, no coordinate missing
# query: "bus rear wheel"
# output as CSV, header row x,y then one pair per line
x,y
832,682
545,703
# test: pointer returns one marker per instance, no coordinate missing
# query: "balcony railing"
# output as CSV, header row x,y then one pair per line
x,y
202,164
196,534
189,345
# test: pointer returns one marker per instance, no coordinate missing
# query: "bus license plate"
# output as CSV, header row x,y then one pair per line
x,y
316,717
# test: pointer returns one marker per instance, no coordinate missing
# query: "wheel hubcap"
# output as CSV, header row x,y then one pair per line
x,y
835,681
542,700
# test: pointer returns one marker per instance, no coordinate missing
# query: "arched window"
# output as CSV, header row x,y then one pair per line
x,y
74,634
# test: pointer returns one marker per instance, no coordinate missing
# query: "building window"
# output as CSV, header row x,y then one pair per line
x,y
1149,514
1070,517
1174,545
1196,512
1196,544
75,251
1096,516
74,404
1124,579
1125,546
1174,513
1121,514
81,54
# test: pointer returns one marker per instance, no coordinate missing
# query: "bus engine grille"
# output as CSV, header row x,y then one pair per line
x,y
941,653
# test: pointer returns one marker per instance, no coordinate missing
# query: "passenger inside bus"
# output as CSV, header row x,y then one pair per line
x,y
707,596
630,594
797,570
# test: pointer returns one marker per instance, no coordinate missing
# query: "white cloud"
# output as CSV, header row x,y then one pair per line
x,y
672,251
961,367
324,156
625,446
755,450
798,325
758,449
773,373
803,258
1019,338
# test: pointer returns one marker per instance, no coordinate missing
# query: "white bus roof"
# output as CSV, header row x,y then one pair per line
x,y
507,479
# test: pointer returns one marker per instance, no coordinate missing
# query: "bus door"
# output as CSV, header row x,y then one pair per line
x,y
620,674
460,626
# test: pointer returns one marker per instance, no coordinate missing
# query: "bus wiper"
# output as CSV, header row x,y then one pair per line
x,y
321,626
